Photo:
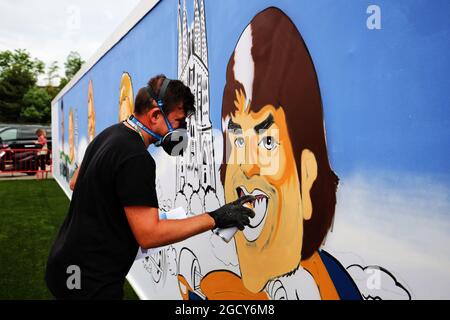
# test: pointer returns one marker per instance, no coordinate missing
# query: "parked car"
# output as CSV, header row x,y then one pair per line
x,y
19,134
19,147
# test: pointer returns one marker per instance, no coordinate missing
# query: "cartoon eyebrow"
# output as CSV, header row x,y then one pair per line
x,y
261,127
232,126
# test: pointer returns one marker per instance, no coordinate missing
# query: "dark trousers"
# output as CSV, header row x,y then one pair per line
x,y
42,159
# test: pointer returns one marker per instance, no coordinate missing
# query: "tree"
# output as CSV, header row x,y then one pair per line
x,y
52,73
20,59
36,106
20,98
18,73
62,83
51,77
72,65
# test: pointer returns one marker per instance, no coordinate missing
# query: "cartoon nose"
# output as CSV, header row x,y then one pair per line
x,y
250,169
250,166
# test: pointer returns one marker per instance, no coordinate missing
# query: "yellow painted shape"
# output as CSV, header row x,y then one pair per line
x,y
126,100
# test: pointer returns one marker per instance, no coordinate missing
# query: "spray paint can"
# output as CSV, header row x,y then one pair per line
x,y
228,233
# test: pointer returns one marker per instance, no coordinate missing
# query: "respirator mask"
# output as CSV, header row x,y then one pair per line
x,y
175,141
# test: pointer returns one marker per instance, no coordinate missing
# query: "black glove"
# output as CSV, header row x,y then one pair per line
x,y
234,214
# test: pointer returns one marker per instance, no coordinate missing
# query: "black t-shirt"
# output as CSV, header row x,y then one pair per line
x,y
117,171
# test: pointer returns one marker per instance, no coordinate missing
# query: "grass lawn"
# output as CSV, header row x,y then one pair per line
x,y
31,212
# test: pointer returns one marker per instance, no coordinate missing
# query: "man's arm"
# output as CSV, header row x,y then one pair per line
x,y
151,232
74,179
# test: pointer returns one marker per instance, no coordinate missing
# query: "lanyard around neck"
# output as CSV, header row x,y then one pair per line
x,y
135,128
135,122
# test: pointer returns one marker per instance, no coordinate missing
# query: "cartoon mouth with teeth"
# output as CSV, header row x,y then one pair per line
x,y
259,206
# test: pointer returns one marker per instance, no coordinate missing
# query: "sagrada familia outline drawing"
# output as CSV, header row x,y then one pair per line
x,y
196,166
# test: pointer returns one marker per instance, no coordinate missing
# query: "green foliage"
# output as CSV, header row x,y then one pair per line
x,y
20,99
73,64
51,76
18,73
52,73
52,91
20,61
63,83
30,114
36,106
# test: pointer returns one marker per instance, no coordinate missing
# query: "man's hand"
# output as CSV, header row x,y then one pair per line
x,y
74,179
234,214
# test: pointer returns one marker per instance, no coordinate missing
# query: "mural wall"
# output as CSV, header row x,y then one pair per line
x,y
333,114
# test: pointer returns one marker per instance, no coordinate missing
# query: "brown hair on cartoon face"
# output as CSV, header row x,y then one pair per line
x,y
272,111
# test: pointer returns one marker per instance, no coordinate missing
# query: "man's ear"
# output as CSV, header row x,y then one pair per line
x,y
153,115
309,175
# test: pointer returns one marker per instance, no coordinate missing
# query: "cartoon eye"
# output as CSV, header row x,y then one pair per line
x,y
268,142
239,142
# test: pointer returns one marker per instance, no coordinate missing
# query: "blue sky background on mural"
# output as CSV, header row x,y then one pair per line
x,y
384,91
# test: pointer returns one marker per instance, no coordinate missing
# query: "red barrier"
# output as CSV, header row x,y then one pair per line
x,y
29,161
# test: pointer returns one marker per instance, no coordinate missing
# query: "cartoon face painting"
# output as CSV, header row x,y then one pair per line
x,y
270,97
71,136
126,100
260,143
91,112
62,126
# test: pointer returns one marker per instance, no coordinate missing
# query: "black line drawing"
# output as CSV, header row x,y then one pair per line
x,y
196,171
360,275
189,275
156,266
161,264
277,291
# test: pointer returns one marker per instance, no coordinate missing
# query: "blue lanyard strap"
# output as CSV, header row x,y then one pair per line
x,y
160,106
140,125
135,128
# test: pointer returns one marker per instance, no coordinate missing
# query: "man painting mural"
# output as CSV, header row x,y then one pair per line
x,y
273,125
